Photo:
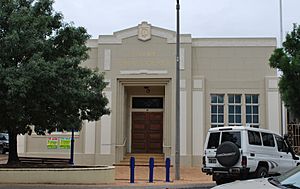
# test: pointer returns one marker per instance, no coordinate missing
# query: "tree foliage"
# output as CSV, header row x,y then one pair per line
x,y
41,81
287,60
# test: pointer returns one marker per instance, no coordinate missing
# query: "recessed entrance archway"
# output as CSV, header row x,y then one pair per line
x,y
143,116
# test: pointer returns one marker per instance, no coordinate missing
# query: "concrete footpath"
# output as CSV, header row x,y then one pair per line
x,y
191,177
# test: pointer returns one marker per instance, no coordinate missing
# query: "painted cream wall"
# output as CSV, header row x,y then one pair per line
x,y
133,61
234,70
216,65
186,104
198,119
273,104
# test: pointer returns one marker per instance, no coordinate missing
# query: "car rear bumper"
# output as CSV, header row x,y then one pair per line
x,y
224,170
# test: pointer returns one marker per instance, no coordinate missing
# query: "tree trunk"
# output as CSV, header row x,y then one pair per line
x,y
13,153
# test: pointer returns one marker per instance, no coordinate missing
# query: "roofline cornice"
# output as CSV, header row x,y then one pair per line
x,y
234,42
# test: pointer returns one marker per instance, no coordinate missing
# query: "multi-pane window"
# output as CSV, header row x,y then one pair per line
x,y
252,110
217,110
148,102
234,110
241,109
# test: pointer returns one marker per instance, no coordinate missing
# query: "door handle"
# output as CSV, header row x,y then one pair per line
x,y
252,154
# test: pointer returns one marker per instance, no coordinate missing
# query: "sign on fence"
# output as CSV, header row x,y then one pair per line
x,y
59,143
65,143
52,143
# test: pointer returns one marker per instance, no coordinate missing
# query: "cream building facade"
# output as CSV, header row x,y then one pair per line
x,y
224,81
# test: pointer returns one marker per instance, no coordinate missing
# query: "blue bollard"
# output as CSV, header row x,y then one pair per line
x,y
151,167
168,165
71,161
132,165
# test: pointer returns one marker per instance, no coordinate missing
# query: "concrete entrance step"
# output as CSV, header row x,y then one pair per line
x,y
140,164
144,156
143,160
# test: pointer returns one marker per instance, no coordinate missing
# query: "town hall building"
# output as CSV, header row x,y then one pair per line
x,y
223,82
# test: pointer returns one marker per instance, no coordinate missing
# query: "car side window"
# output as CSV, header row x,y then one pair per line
x,y
254,138
213,141
268,139
281,145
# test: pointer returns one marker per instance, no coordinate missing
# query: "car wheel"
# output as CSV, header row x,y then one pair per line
x,y
220,181
228,154
261,172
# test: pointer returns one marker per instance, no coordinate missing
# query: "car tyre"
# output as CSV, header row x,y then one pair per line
x,y
221,180
261,172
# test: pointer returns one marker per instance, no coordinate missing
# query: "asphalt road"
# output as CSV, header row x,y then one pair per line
x,y
192,186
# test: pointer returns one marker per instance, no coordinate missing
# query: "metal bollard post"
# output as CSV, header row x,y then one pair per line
x,y
168,165
71,161
132,165
151,167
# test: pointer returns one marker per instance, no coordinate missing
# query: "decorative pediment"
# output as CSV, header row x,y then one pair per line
x,y
143,32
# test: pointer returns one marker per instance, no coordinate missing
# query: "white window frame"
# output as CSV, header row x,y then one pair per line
x,y
252,105
234,114
217,104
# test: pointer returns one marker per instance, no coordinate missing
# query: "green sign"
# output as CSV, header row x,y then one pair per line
x,y
65,143
52,143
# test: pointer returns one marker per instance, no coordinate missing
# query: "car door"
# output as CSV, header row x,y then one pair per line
x,y
286,159
270,152
212,143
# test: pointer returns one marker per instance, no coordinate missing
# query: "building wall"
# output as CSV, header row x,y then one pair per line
x,y
233,70
207,66
234,66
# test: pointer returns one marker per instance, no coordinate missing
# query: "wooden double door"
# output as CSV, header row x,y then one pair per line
x,y
147,132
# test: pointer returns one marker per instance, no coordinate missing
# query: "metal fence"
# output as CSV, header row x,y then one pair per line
x,y
294,136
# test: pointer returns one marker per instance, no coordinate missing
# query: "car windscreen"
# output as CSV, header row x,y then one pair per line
x,y
290,179
213,141
234,137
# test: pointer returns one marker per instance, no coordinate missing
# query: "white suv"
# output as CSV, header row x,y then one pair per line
x,y
232,153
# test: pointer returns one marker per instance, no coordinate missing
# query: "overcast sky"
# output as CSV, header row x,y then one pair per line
x,y
201,18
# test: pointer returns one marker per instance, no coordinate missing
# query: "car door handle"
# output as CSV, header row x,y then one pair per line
x,y
280,156
252,154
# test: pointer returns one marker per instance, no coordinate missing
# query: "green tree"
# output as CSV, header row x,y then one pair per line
x,y
41,81
287,61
